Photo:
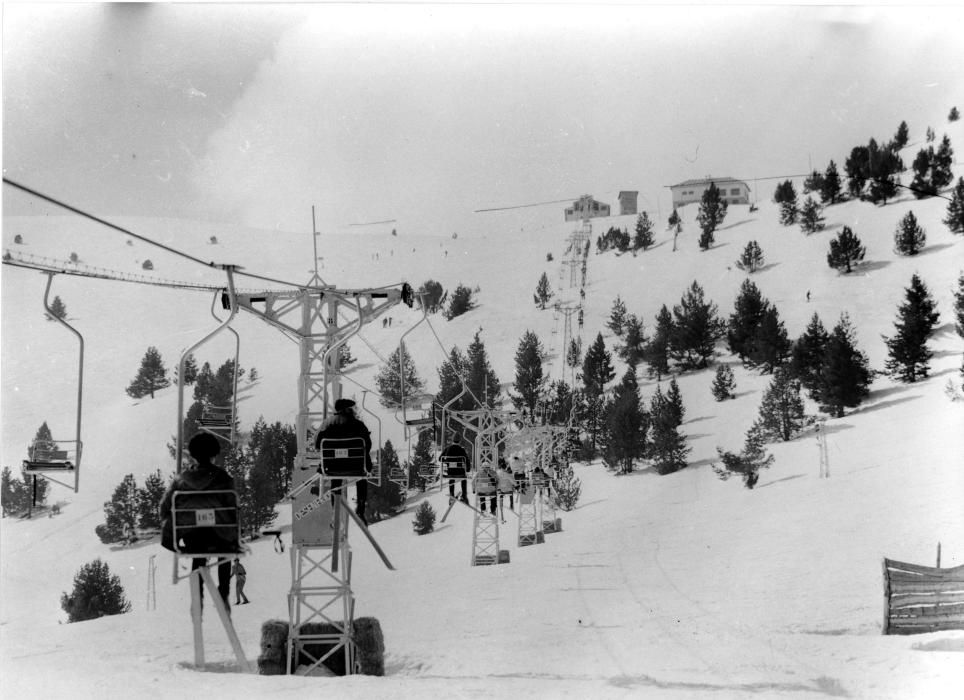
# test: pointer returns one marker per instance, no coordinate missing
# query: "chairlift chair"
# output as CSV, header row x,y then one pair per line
x,y
51,459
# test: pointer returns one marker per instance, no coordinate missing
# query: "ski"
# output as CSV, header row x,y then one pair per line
x,y
364,528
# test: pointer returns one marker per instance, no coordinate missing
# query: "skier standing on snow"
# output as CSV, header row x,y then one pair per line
x,y
344,424
240,577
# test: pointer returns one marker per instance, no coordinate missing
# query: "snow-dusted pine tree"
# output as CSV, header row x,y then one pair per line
x,y
909,237
908,356
723,383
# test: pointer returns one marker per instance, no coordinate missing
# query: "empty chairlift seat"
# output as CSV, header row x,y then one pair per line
x,y
344,457
216,417
206,522
47,459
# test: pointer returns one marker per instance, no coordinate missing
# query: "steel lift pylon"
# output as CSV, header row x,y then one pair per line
x,y
321,319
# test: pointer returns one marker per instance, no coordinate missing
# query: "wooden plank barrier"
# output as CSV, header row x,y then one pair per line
x,y
919,599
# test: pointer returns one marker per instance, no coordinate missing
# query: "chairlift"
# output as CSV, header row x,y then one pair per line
x,y
56,457
230,302
377,477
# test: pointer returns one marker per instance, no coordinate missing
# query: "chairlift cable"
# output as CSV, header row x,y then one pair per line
x,y
145,239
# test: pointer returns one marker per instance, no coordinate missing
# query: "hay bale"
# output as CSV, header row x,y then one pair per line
x,y
369,646
274,641
367,635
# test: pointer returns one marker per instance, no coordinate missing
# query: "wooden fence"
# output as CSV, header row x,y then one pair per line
x,y
920,599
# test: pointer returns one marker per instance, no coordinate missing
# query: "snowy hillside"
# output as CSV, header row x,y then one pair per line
x,y
658,586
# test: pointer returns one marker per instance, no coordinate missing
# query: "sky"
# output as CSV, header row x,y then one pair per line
x,y
421,114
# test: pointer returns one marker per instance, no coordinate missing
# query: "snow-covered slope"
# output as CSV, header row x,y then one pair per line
x,y
674,586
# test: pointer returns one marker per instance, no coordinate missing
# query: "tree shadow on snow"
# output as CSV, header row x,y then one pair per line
x,y
886,404
777,481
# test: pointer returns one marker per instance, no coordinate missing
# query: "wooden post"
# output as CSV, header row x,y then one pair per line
x,y
886,599
194,582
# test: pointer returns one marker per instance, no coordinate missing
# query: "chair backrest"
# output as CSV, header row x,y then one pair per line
x,y
206,522
344,457
454,467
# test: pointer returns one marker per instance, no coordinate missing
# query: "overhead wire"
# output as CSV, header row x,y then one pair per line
x,y
174,251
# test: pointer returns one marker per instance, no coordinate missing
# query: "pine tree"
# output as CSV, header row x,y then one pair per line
x,y
424,522
59,309
421,457
749,462
921,184
597,371
634,344
781,410
273,450
953,115
529,378
190,370
96,593
752,258
386,498
788,212
559,403
909,237
120,513
566,488
785,192
617,317
723,383
831,188
955,208
908,354
929,135
345,358
811,219
255,488
151,377
148,500
399,370
942,166
959,306
543,292
657,350
902,136
460,303
480,378
770,346
696,329
813,183
625,423
451,374
749,309
711,214
597,367
806,355
845,376
574,353
846,250
674,403
644,232
857,168
884,172
667,445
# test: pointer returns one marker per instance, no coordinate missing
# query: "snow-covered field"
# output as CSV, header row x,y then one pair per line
x,y
674,586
